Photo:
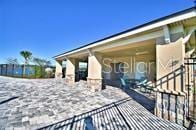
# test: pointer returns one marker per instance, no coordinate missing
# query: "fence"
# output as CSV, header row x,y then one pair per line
x,y
190,67
27,71
176,98
171,100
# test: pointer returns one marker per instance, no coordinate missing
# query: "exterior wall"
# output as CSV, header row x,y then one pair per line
x,y
130,65
58,73
170,57
171,100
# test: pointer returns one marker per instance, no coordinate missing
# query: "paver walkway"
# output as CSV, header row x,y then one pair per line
x,y
125,114
32,104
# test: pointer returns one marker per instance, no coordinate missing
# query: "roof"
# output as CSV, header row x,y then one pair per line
x,y
132,29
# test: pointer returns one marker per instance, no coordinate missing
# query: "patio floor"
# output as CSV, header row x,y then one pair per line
x,y
37,103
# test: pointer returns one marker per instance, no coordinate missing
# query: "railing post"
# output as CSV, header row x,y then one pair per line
x,y
167,82
6,69
22,66
182,78
13,69
161,83
35,71
176,108
168,109
41,71
194,89
162,107
174,81
188,78
1,69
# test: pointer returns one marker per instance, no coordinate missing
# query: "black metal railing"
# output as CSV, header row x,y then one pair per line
x,y
174,103
172,78
190,69
182,82
169,101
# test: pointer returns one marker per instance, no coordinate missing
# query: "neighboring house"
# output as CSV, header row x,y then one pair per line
x,y
152,51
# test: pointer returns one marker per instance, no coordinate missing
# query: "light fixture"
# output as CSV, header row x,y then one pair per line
x,y
142,53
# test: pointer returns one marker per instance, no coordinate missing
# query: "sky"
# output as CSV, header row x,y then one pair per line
x,y
50,27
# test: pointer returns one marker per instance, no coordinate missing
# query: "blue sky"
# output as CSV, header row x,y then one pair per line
x,y
49,27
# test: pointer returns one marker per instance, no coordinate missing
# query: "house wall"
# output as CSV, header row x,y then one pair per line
x,y
170,57
171,100
130,65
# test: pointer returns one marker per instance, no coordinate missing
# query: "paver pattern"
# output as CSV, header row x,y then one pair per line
x,y
41,102
125,114
31,104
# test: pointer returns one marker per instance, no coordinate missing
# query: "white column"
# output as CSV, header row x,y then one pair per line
x,y
58,72
94,78
70,71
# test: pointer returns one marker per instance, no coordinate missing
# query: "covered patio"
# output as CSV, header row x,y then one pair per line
x,y
149,52
134,60
132,63
154,52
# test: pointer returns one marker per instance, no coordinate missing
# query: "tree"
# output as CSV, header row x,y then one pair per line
x,y
12,61
41,62
27,56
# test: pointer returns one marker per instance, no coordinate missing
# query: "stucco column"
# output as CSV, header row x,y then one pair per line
x,y
58,72
170,96
94,79
71,67
170,58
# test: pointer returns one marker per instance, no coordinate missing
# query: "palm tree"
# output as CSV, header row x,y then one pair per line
x,y
27,56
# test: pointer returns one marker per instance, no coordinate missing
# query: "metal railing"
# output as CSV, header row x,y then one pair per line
x,y
178,92
190,69
27,71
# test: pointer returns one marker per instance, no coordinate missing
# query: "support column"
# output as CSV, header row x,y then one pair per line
x,y
94,79
170,96
170,58
58,73
71,68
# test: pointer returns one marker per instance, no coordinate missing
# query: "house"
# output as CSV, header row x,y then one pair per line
x,y
154,51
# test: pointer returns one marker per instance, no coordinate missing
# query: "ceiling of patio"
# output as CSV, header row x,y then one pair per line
x,y
142,48
139,48
83,56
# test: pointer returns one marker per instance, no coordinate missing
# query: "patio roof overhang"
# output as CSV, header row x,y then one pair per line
x,y
138,34
136,49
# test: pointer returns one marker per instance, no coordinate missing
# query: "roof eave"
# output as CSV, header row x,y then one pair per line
x,y
193,9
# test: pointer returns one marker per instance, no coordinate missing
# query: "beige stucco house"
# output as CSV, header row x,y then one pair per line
x,y
152,51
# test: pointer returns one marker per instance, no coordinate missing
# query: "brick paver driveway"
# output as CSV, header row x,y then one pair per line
x,y
32,104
